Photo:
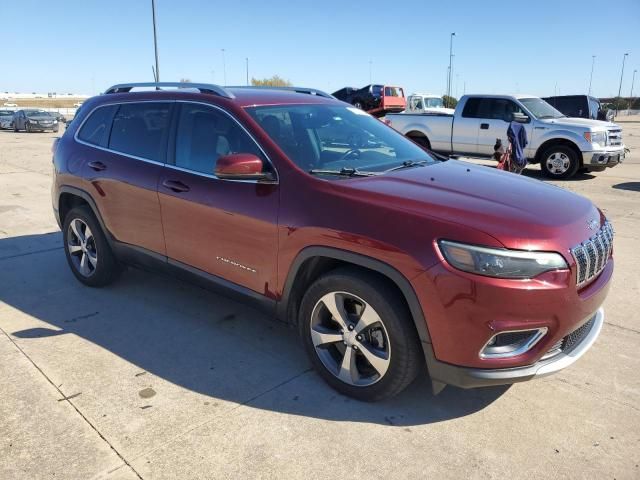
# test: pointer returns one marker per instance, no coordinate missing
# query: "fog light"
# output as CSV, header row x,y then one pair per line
x,y
512,343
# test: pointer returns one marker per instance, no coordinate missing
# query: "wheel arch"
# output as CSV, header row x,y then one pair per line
x,y
70,197
417,135
313,262
559,141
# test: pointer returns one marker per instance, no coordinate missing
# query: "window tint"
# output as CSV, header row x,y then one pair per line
x,y
140,129
471,108
205,134
96,128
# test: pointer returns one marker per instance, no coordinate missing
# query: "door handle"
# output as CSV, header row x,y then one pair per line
x,y
484,126
175,185
97,166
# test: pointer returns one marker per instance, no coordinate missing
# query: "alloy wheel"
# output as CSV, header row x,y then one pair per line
x,y
350,339
558,163
82,247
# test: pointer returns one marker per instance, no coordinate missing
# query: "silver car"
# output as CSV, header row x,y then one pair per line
x,y
6,118
34,121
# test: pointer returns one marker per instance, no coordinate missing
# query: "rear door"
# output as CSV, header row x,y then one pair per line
x,y
123,155
227,228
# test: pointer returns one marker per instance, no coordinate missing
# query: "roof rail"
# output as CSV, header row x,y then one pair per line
x,y
203,87
308,91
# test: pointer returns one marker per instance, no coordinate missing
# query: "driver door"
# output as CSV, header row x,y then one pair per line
x,y
495,116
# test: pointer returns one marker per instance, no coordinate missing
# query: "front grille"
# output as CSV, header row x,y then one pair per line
x,y
615,137
567,343
592,255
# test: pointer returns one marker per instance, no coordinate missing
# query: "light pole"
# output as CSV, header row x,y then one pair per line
x,y
155,39
224,67
453,34
247,59
633,79
593,61
624,57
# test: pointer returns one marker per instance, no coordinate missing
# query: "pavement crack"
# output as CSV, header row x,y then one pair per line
x,y
68,400
18,255
622,328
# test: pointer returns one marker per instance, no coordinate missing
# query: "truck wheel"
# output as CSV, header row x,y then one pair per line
x,y
559,162
87,250
422,141
359,335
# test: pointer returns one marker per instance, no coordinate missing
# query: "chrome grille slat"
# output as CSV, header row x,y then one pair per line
x,y
614,138
592,255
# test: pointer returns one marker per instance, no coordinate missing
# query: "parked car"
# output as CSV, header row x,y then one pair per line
x,y
9,104
580,106
59,117
390,263
427,103
378,100
34,121
561,145
6,119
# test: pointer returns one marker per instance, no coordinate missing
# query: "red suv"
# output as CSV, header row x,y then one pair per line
x,y
390,262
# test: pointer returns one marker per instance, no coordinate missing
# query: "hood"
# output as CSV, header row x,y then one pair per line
x,y
581,122
519,212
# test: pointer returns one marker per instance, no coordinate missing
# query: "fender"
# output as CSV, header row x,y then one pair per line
x,y
363,261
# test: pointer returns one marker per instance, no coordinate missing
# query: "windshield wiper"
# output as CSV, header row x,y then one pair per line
x,y
408,164
343,172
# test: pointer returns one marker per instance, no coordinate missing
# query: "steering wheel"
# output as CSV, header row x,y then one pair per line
x,y
348,153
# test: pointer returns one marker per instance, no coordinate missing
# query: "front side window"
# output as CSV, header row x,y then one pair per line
x,y
393,92
96,128
415,103
140,129
540,109
205,134
333,137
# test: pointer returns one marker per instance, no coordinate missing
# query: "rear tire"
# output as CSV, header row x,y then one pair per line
x,y
559,162
359,335
422,141
88,253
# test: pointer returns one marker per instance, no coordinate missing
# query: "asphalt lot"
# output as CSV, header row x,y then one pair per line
x,y
154,378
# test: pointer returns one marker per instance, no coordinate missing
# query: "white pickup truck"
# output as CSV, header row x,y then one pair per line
x,y
561,145
426,103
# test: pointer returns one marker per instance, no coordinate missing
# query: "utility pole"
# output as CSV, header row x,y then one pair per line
x,y
593,61
247,59
453,34
624,57
155,39
224,67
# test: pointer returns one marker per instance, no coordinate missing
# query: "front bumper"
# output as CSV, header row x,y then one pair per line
x,y
465,377
602,158
37,126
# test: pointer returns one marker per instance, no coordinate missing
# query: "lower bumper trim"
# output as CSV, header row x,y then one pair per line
x,y
465,377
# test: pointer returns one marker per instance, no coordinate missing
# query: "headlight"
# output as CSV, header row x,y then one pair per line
x,y
596,137
500,263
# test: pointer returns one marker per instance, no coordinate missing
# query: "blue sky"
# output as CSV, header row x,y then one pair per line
x,y
541,47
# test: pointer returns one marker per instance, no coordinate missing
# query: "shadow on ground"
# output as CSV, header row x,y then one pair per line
x,y
197,340
632,186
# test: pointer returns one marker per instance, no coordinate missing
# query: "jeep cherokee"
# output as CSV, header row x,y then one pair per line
x,y
390,262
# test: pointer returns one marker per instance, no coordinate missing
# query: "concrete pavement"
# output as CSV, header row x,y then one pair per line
x,y
155,378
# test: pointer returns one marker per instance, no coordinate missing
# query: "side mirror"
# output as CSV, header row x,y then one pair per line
x,y
520,118
241,166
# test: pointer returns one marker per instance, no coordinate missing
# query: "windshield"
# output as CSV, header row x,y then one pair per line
x,y
540,109
332,137
393,92
40,113
434,102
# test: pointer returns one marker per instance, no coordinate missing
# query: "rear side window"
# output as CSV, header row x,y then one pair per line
x,y
140,129
205,134
96,128
471,108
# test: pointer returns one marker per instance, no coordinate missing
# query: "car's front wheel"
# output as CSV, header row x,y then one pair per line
x,y
359,335
88,252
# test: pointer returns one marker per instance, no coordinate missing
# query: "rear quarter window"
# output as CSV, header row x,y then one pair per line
x,y
95,129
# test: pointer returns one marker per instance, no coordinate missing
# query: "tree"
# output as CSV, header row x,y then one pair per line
x,y
449,102
275,81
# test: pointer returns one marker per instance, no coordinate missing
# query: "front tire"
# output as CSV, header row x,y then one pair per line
x,y
559,162
87,250
359,335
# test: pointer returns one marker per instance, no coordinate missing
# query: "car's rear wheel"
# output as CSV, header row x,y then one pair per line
x,y
559,162
88,252
359,335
